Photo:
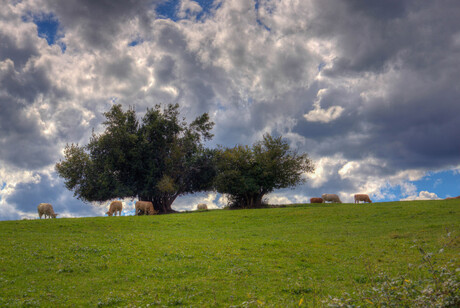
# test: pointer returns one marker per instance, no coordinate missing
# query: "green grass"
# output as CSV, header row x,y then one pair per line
x,y
266,257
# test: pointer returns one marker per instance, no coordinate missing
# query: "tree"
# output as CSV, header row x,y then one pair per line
x,y
246,173
155,160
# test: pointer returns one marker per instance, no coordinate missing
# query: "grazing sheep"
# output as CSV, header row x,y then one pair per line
x,y
316,200
202,206
362,197
115,206
144,207
452,198
47,210
331,198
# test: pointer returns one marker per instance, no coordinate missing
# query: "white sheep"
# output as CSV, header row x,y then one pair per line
x,y
362,197
331,198
115,206
202,206
47,210
144,207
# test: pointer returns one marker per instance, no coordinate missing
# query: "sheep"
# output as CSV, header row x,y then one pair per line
x,y
47,210
115,206
316,200
331,198
146,207
202,206
362,197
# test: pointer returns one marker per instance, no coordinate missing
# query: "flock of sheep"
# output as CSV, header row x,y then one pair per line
x,y
334,198
146,207
358,198
141,208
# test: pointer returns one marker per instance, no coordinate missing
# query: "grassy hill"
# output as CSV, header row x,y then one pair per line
x,y
267,257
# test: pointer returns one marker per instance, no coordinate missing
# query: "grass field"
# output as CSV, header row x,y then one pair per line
x,y
278,257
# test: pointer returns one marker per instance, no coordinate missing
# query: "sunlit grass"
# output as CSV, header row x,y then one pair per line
x,y
266,257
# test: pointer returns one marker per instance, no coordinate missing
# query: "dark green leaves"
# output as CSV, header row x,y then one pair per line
x,y
248,173
161,157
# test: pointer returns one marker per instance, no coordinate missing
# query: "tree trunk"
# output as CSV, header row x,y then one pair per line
x,y
163,203
258,200
252,201
167,203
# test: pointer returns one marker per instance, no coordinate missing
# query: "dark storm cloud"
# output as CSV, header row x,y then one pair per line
x,y
410,50
372,34
22,142
196,84
165,70
120,68
170,37
421,132
99,22
27,196
388,9
25,84
68,122
19,52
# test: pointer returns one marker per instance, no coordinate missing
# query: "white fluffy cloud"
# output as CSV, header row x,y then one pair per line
x,y
323,115
189,8
423,195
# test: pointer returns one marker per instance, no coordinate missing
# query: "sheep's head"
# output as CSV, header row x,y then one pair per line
x,y
109,213
54,215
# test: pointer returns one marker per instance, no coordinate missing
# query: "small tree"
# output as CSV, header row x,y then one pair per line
x,y
155,160
246,173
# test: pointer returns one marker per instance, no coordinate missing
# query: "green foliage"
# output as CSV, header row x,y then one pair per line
x,y
156,160
166,185
277,257
436,286
247,174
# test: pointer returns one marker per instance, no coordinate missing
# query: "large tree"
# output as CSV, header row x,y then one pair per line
x,y
155,160
246,173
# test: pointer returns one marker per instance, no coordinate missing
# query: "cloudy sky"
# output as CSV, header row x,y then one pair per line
x,y
369,89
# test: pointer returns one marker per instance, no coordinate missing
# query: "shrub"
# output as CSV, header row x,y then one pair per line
x,y
439,287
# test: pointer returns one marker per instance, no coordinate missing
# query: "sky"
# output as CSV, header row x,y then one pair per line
x,y
369,89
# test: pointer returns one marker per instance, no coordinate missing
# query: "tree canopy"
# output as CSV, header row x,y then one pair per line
x,y
156,159
246,173
161,157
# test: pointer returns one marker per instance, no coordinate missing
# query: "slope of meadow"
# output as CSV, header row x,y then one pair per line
x,y
267,257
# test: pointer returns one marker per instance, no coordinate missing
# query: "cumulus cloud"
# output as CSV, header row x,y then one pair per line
x,y
367,89
190,202
323,115
44,188
423,195
280,198
189,8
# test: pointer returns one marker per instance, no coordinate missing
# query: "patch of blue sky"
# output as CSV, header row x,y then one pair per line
x,y
127,213
48,27
391,193
135,42
256,6
2,186
170,8
443,184
221,107
321,66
